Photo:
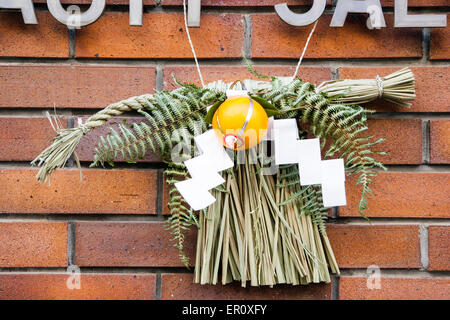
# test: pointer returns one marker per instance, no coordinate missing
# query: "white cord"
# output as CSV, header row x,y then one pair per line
x,y
304,49
195,55
190,42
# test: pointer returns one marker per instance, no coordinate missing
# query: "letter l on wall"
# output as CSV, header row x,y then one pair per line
x,y
403,19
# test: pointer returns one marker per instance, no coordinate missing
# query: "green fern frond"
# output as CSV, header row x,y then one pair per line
x,y
181,217
166,113
341,124
174,118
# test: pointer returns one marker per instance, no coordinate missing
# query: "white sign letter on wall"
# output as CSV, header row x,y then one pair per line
x,y
402,19
26,6
136,11
63,16
301,19
372,7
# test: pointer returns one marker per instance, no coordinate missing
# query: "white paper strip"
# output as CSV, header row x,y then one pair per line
x,y
334,194
201,169
333,183
312,170
213,150
333,169
204,171
288,150
309,161
195,194
285,134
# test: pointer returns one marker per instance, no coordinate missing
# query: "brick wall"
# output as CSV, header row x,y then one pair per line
x,y
111,223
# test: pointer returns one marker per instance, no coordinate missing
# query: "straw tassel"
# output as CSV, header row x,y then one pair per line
x,y
398,88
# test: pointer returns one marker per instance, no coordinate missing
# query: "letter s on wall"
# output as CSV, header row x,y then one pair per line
x,y
301,19
85,18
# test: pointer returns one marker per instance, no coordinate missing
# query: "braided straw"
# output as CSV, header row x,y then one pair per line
x,y
397,87
66,140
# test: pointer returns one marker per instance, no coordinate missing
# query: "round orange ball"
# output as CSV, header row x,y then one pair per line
x,y
230,117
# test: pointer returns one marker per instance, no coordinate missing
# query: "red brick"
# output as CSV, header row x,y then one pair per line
x,y
402,194
72,86
440,43
86,148
108,2
33,244
132,244
181,286
49,38
210,73
100,191
439,141
355,288
256,3
94,286
386,246
439,248
22,139
418,3
161,36
353,40
240,3
429,81
403,140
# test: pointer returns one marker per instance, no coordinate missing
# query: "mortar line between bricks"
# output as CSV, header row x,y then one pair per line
x,y
422,168
394,221
159,77
423,238
335,73
129,218
426,141
132,218
72,42
334,212
247,49
229,61
71,243
335,287
345,272
396,273
70,124
153,166
158,286
75,112
103,269
426,44
149,166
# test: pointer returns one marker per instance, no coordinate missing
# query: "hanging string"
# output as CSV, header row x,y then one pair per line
x,y
190,43
304,49
195,55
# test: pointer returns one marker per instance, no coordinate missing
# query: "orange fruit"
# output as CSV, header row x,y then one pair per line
x,y
238,125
